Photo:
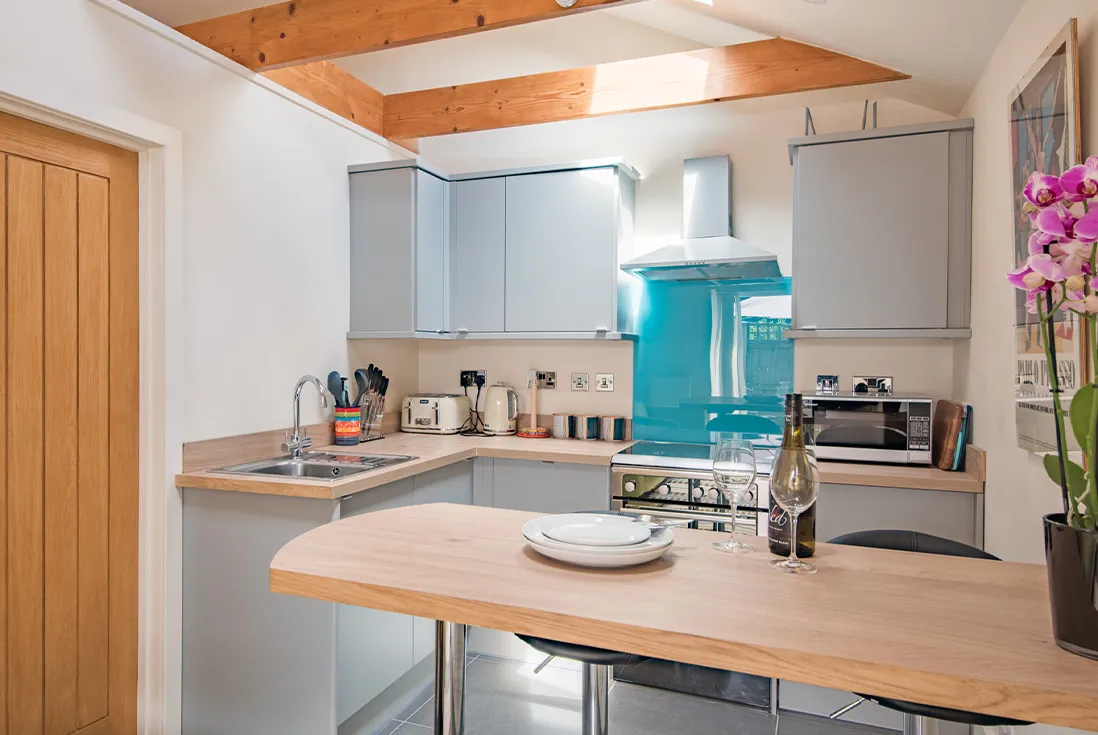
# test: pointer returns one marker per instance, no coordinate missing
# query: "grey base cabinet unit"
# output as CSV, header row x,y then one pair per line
x,y
272,664
844,509
540,487
882,232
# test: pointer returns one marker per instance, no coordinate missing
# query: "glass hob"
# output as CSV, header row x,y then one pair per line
x,y
682,456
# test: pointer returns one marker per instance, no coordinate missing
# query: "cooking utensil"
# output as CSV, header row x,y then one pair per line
x,y
360,380
335,387
344,396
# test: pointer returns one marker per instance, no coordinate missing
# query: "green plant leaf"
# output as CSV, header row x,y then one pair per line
x,y
1076,476
1081,411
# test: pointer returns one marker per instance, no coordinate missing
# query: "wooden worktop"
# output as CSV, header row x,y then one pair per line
x,y
432,452
963,633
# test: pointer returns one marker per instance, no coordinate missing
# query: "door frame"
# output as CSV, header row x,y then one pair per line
x,y
160,223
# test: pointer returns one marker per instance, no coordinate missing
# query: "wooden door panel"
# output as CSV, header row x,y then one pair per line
x,y
61,501
68,452
4,548
25,446
93,455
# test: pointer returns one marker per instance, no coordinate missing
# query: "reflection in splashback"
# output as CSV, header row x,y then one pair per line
x,y
710,358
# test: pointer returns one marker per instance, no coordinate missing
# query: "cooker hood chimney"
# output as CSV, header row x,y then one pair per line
x,y
707,252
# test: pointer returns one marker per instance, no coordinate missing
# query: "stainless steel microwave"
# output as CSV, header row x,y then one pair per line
x,y
863,428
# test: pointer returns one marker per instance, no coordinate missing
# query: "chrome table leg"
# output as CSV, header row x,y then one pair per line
x,y
596,699
449,678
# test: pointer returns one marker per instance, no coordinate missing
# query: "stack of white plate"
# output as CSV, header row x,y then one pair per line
x,y
593,540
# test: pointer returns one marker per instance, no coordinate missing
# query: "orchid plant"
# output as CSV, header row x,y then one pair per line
x,y
1059,275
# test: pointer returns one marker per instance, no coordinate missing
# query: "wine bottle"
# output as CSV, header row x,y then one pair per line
x,y
779,524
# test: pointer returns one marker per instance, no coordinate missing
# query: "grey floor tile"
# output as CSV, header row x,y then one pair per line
x,y
409,728
415,704
390,727
797,724
641,710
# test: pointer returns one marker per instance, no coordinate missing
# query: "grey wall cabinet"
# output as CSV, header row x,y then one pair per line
x,y
530,253
882,232
477,255
398,260
562,262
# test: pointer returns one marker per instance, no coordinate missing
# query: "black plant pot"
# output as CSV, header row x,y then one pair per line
x,y
1071,555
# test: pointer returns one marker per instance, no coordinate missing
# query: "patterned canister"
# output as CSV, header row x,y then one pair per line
x,y
587,427
348,425
564,426
612,428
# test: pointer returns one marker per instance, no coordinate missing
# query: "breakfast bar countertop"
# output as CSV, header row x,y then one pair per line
x,y
432,452
969,634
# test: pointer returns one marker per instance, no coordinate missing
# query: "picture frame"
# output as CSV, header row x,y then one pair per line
x,y
1045,135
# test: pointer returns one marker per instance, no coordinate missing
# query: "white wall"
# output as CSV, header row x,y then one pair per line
x,y
754,133
1018,492
264,206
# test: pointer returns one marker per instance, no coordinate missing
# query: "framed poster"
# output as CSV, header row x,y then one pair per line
x,y
1044,136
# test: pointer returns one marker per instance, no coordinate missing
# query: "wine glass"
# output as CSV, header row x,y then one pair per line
x,y
794,485
734,472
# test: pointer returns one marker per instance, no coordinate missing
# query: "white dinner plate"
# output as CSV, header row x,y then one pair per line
x,y
598,556
589,529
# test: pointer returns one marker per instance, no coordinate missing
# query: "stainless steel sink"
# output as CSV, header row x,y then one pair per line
x,y
317,465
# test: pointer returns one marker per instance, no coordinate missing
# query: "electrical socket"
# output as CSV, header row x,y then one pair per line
x,y
547,380
579,381
469,378
604,382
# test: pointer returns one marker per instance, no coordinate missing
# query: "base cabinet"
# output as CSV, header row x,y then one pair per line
x,y
540,487
844,509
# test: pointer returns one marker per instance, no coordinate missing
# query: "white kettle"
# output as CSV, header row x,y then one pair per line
x,y
500,413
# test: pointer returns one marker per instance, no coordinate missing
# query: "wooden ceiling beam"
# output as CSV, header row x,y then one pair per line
x,y
757,69
313,30
334,89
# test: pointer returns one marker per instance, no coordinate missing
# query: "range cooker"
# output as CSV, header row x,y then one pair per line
x,y
674,482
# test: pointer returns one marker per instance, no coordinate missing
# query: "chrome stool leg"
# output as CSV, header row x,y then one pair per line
x,y
450,678
596,699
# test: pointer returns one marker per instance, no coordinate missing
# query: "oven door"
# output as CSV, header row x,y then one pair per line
x,y
688,498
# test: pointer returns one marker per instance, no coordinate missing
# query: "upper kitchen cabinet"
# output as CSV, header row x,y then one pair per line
x,y
477,255
398,253
882,232
566,233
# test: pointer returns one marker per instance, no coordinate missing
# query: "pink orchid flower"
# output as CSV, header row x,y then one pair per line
x,y
1032,296
1038,273
1076,270
1080,183
1087,305
1043,190
1060,222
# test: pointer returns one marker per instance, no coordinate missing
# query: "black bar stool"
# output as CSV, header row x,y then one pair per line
x,y
596,676
917,716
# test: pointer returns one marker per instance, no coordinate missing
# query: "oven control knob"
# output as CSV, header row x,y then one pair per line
x,y
697,493
630,486
663,490
712,493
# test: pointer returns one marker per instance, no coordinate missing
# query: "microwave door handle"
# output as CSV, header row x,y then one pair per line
x,y
680,517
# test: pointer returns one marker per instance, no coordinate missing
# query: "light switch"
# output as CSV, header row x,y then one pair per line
x,y
579,381
604,381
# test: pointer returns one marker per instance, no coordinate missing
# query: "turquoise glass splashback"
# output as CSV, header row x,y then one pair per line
x,y
710,358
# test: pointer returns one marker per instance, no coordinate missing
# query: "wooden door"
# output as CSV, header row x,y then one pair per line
x,y
68,451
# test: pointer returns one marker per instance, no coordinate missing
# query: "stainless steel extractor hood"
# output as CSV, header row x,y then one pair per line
x,y
707,252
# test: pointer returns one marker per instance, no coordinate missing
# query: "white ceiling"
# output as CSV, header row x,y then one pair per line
x,y
943,44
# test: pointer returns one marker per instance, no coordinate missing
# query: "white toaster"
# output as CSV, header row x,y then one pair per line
x,y
434,413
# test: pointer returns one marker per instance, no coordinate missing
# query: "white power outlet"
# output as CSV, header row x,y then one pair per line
x,y
579,381
604,382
